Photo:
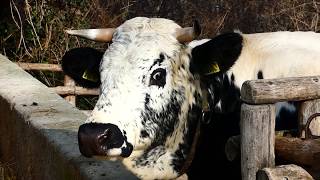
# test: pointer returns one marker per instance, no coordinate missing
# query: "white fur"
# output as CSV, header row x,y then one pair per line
x,y
277,55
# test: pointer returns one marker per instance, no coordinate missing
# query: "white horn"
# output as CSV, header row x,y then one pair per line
x,y
102,35
189,33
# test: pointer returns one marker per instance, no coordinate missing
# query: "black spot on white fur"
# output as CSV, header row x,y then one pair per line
x,y
144,134
166,119
194,114
158,61
165,122
260,75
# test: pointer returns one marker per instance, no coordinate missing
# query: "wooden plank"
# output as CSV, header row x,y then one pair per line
x,y
299,151
283,172
40,66
70,82
307,109
64,90
267,91
287,149
257,133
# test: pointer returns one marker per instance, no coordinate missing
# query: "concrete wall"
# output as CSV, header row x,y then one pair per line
x,y
38,132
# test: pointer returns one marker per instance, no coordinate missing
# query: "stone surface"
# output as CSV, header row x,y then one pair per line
x,y
38,132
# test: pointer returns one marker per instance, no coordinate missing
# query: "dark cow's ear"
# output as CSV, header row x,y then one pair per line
x,y
82,65
216,55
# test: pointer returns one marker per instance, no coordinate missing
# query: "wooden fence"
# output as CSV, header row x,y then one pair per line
x,y
69,90
257,133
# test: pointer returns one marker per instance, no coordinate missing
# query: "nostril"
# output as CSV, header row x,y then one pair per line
x,y
103,138
126,152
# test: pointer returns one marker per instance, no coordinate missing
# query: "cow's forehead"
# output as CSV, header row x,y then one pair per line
x,y
140,41
142,24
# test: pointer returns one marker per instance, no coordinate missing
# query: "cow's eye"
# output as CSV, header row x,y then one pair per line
x,y
158,77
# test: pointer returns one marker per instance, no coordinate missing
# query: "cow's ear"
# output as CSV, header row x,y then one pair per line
x,y
82,65
217,54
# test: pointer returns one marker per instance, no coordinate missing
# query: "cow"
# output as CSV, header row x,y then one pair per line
x,y
166,105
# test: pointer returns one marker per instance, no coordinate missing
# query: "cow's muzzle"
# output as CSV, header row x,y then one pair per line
x,y
96,139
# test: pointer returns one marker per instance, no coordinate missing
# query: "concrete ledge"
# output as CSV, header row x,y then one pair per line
x,y
38,132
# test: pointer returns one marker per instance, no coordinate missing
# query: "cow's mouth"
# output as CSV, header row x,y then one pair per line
x,y
96,139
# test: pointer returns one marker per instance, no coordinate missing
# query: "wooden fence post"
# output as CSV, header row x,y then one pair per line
x,y
69,90
257,129
69,82
291,171
307,109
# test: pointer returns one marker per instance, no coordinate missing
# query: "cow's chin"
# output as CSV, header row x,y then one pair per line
x,y
115,154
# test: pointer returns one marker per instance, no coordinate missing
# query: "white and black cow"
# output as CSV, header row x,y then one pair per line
x,y
154,85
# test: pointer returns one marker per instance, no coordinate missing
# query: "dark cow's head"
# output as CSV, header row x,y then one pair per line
x,y
151,96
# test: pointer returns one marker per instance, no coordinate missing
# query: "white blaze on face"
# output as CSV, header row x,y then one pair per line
x,y
151,114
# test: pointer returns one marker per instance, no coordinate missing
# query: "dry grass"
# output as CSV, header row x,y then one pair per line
x,y
37,27
7,172
34,29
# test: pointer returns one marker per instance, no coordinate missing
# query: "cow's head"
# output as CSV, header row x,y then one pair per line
x,y
151,96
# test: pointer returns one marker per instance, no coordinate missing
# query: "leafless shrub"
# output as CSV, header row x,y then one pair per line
x,y
33,30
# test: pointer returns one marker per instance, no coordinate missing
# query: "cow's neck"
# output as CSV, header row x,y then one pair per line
x,y
224,96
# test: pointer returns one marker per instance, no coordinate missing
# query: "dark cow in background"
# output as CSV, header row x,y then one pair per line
x,y
155,87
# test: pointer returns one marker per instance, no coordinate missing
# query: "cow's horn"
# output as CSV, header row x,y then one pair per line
x,y
102,35
189,33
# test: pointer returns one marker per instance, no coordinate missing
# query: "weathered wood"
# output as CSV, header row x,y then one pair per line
x,y
40,66
266,91
304,153
257,133
70,82
298,151
307,109
283,172
64,90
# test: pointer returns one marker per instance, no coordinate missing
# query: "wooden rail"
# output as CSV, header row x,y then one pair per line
x,y
276,90
69,90
258,117
40,66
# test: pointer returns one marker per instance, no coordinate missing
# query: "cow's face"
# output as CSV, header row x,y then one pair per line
x,y
149,103
150,100
147,91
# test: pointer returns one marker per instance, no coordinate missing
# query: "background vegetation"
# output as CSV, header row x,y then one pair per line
x,y
33,30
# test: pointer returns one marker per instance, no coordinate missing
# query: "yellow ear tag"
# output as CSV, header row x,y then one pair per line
x,y
214,68
90,76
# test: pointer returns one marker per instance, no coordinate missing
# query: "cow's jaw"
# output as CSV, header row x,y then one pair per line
x,y
166,161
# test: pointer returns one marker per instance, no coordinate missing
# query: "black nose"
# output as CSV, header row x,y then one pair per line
x,y
95,139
